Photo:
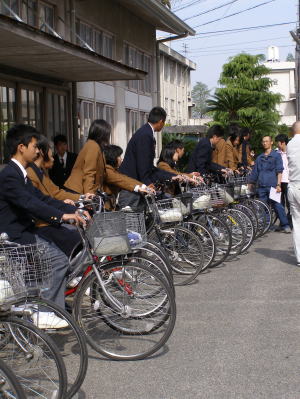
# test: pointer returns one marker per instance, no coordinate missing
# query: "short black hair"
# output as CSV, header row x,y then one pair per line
x,y
245,131
157,114
215,130
100,131
43,144
19,134
234,128
112,152
60,138
167,154
282,138
175,144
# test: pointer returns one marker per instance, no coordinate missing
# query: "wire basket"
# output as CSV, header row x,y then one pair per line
x,y
22,268
167,210
210,197
107,234
136,229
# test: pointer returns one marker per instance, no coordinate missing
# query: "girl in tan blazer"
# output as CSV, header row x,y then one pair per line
x,y
232,158
90,172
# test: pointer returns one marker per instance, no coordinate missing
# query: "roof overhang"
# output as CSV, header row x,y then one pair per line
x,y
158,15
28,49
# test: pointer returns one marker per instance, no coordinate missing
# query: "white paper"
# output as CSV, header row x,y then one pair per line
x,y
274,195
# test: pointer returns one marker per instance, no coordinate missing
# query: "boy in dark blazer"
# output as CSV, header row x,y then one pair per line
x,y
63,161
21,204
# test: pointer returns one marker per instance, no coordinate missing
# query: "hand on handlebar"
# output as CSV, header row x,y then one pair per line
x,y
69,202
73,218
89,196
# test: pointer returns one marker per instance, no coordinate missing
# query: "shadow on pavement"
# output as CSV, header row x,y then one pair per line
x,y
285,256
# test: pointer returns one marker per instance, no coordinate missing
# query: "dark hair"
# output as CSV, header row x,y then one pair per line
x,y
166,155
233,137
60,138
100,131
19,134
44,146
267,135
282,138
176,144
112,152
157,114
234,128
215,130
245,131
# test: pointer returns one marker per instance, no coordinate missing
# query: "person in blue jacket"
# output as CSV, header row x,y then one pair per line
x,y
267,173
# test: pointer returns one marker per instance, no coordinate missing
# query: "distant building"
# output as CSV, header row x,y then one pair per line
x,y
283,75
175,85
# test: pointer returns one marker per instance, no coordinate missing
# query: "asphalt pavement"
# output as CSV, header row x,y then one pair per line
x,y
237,335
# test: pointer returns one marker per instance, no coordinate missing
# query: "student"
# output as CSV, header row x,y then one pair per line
x,y
64,161
245,156
89,172
20,202
201,158
232,152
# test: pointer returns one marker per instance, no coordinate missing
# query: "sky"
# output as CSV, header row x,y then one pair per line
x,y
210,51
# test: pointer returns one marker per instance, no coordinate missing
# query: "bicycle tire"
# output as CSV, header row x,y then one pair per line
x,y
30,304
101,336
237,230
249,228
268,213
250,212
221,234
24,330
10,386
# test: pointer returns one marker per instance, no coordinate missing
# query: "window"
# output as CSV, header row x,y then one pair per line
x,y
172,108
106,112
166,104
7,115
9,7
57,114
139,60
131,123
86,117
31,107
39,14
172,71
101,42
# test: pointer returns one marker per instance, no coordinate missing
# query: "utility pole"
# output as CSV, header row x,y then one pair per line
x,y
186,46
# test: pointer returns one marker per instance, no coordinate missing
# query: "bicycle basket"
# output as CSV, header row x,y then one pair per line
x,y
168,210
136,229
201,197
22,268
107,234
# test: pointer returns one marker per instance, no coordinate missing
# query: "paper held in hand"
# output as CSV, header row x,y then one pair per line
x,y
274,195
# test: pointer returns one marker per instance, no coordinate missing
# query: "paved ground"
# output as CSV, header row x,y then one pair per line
x,y
237,336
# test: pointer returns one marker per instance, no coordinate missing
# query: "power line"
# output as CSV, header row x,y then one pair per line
x,y
248,42
237,49
189,5
236,13
234,51
212,9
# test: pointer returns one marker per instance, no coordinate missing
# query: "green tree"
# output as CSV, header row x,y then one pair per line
x,y
245,97
290,57
200,95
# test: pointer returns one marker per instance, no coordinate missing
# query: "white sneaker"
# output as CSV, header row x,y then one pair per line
x,y
46,320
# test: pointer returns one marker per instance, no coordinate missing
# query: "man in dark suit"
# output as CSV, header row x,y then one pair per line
x,y
201,158
63,161
21,203
139,157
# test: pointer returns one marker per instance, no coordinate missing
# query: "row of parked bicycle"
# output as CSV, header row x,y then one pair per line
x,y
121,291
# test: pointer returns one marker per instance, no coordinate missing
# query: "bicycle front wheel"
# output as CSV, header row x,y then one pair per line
x,y
10,386
129,314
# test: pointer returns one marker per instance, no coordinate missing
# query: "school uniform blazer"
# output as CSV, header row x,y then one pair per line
x,y
60,174
139,158
245,154
232,155
219,153
42,181
88,173
114,182
201,158
21,203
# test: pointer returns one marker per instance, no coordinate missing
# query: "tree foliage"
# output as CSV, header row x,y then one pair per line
x,y
245,97
290,57
200,95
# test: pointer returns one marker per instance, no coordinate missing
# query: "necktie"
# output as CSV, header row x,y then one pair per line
x,y
62,162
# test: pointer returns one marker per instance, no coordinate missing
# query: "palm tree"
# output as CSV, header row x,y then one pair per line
x,y
229,101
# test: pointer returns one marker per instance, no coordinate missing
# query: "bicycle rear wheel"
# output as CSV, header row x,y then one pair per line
x,y
34,358
129,315
10,386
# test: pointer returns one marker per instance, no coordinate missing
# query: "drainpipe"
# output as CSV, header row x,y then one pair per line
x,y
74,85
158,98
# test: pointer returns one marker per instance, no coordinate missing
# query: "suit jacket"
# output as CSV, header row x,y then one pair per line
x,y
201,158
87,175
58,173
139,158
244,154
231,155
116,181
21,203
219,153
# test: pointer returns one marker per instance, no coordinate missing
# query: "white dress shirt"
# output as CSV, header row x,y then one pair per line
x,y
285,173
293,156
22,168
63,158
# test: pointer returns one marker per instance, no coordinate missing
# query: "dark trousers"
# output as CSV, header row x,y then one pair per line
x,y
263,194
284,196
